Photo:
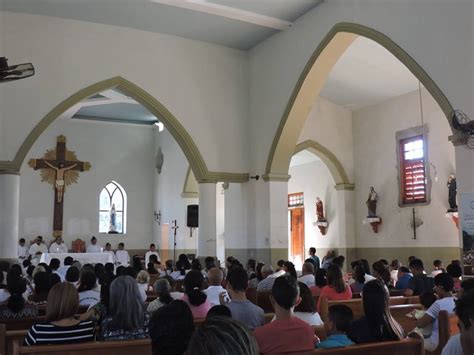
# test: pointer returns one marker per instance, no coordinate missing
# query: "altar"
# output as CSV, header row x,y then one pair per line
x,y
83,258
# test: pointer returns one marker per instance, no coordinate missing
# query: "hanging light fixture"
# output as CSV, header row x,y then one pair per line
x,y
425,143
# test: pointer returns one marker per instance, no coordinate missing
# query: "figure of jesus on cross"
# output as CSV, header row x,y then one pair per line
x,y
60,168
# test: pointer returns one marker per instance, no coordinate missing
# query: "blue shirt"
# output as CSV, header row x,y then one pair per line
x,y
403,281
335,341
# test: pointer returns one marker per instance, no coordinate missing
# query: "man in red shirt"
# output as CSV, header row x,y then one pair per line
x,y
287,333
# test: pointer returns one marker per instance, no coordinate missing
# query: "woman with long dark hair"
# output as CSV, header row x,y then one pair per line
x,y
380,271
359,279
320,281
193,295
16,306
289,268
336,289
377,324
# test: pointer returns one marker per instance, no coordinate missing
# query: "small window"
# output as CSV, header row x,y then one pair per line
x,y
296,199
112,209
412,171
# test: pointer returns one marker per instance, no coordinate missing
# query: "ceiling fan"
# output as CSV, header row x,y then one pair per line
x,y
14,72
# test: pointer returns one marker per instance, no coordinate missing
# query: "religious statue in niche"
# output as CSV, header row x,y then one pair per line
x,y
113,218
372,217
321,221
372,203
452,191
60,168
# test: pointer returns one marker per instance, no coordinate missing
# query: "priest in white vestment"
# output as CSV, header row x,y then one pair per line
x,y
38,247
108,249
122,257
93,247
58,246
150,252
22,250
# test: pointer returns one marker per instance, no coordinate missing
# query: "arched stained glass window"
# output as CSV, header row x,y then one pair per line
x,y
112,209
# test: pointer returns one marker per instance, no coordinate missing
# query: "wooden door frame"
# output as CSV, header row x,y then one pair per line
x,y
304,233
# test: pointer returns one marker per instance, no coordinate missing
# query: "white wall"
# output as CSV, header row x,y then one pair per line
x,y
330,125
375,162
169,186
123,153
315,180
203,85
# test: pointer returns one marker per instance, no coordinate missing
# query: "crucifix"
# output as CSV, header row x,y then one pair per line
x,y
60,168
174,227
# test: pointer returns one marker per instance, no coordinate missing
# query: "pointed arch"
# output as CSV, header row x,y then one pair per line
x,y
334,165
171,123
113,195
312,79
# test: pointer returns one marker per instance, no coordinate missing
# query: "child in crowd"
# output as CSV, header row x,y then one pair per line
x,y
340,318
426,300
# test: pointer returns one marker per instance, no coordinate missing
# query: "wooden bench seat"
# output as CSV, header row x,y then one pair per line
x,y
125,347
447,327
409,346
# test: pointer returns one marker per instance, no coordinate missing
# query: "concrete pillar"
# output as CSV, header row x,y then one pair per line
x,y
279,232
207,220
346,244
9,214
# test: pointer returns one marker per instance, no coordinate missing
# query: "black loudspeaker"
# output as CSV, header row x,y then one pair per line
x,y
193,216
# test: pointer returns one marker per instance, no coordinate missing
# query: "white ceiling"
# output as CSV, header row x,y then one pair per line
x,y
367,74
303,157
154,17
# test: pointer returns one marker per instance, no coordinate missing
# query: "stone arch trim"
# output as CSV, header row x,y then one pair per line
x,y
334,165
190,186
176,129
311,80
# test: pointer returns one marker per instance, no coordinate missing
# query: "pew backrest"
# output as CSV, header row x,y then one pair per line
x,y
447,326
407,346
125,347
263,301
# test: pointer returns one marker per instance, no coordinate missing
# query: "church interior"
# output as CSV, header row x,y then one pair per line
x,y
246,129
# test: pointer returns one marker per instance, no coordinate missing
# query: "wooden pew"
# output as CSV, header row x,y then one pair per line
x,y
251,294
8,337
125,347
263,301
399,312
447,327
409,346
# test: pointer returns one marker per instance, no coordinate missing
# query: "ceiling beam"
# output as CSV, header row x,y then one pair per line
x,y
228,12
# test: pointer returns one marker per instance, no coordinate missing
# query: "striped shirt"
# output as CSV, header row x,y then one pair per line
x,y
48,333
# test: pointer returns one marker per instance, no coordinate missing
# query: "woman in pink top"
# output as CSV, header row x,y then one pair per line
x,y
337,289
321,281
193,295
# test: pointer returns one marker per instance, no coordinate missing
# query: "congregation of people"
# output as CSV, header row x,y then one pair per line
x,y
116,304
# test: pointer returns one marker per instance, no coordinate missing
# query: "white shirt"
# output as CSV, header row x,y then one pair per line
x,y
147,256
89,298
142,288
453,346
4,295
22,251
122,257
58,248
62,272
91,248
35,248
444,304
176,295
212,293
111,252
308,280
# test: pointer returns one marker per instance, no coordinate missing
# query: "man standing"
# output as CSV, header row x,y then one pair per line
x,y
94,247
38,247
58,246
122,256
150,252
22,250
314,258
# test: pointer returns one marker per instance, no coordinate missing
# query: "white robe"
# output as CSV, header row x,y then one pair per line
x,y
111,252
122,257
35,248
22,251
58,248
94,248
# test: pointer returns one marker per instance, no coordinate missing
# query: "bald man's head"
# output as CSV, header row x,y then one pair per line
x,y
215,276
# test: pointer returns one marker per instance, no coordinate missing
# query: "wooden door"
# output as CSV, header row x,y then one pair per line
x,y
297,234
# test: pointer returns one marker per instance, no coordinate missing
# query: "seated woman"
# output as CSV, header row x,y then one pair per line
x,y
42,286
151,269
60,325
88,294
127,318
320,281
359,280
380,271
289,268
443,287
100,310
306,309
455,271
193,295
336,288
15,306
171,328
182,267
377,324
143,278
162,288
